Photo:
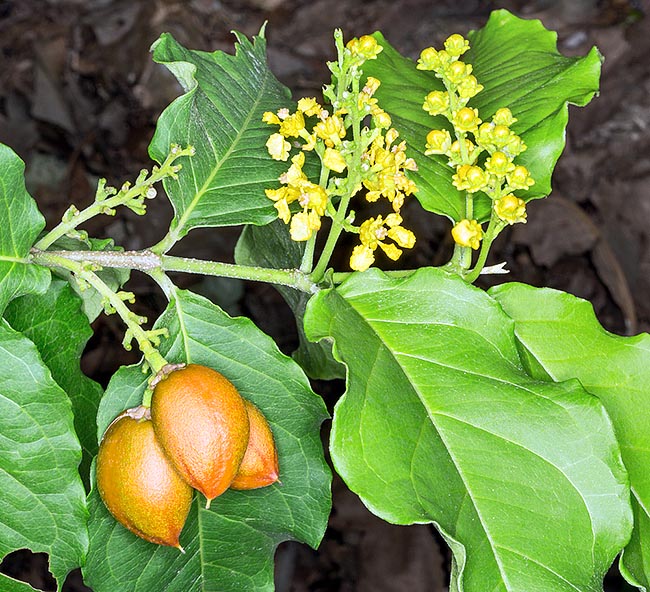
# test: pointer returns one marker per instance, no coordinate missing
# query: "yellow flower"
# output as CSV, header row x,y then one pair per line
x,y
470,178
469,87
431,59
365,46
402,236
499,165
309,106
436,102
381,119
466,119
271,118
372,84
312,197
519,178
362,258
467,233
282,198
278,147
372,234
503,116
334,160
514,146
303,224
456,72
294,175
456,45
510,209
438,142
292,125
330,130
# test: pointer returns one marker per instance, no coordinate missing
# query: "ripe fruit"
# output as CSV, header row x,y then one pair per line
x,y
259,467
201,422
138,484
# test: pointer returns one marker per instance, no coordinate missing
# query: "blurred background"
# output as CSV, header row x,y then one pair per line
x,y
79,99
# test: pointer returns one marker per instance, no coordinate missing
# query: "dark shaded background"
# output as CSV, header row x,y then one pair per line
x,y
79,97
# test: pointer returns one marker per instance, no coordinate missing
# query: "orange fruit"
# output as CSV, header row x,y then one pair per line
x,y
259,467
138,484
201,422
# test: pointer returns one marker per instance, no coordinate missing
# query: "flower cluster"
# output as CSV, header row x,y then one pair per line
x,y
368,156
482,153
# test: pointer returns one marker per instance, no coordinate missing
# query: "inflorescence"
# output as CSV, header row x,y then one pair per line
x,y
482,153
352,155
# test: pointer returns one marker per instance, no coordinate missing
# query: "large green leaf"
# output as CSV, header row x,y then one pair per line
x,y
566,340
271,246
21,223
42,500
440,423
56,324
231,546
518,63
221,116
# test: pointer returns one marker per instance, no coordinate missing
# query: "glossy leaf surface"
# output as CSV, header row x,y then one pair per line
x,y
21,222
220,114
42,500
440,423
54,321
563,335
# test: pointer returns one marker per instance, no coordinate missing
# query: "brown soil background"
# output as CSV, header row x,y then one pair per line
x,y
79,97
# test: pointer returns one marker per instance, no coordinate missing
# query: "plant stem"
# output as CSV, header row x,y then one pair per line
x,y
353,181
150,263
292,278
494,228
105,206
149,351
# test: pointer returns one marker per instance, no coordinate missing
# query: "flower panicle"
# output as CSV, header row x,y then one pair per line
x,y
482,153
371,158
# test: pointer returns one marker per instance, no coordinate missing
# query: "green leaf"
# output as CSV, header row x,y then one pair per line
x,y
440,423
55,323
563,335
271,246
231,546
220,114
21,222
518,63
42,500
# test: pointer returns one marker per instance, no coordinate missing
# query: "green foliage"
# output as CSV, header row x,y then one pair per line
x,y
21,222
566,340
231,546
509,420
270,246
220,114
518,63
55,323
440,423
42,503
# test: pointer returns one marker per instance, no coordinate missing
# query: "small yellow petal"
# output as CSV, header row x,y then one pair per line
x,y
278,147
334,160
362,258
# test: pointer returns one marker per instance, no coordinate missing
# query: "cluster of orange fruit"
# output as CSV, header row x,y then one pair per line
x,y
198,433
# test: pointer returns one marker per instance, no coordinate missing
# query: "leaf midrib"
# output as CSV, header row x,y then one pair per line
x,y
235,142
449,450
